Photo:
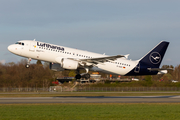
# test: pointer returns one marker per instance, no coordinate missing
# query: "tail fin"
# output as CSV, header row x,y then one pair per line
x,y
154,57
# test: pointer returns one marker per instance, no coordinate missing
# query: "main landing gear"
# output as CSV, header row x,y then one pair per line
x,y
28,62
86,76
83,75
78,76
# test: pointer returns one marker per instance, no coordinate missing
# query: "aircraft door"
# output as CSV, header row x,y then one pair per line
x,y
137,68
32,46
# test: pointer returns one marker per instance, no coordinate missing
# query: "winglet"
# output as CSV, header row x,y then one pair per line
x,y
126,56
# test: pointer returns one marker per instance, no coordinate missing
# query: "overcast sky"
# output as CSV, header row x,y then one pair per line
x,y
104,26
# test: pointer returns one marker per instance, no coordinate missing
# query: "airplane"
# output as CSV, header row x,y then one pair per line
x,y
65,58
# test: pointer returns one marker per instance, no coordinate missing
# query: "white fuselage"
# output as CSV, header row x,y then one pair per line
x,y
52,53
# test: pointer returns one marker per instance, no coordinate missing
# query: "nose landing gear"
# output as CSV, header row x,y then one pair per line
x,y
28,62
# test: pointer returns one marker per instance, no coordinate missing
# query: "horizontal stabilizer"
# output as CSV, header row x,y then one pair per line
x,y
162,72
159,69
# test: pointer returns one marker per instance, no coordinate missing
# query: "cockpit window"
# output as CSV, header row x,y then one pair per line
x,y
19,43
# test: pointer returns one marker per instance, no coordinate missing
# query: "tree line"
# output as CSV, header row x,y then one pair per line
x,y
17,75
39,75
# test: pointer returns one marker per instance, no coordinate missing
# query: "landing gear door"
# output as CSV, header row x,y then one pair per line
x,y
32,46
137,68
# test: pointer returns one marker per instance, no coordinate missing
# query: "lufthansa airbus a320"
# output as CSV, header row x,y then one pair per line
x,y
62,58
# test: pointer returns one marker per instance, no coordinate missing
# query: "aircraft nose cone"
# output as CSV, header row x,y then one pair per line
x,y
14,49
10,48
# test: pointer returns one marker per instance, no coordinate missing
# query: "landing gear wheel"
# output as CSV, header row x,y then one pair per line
x,y
27,66
87,76
28,62
78,76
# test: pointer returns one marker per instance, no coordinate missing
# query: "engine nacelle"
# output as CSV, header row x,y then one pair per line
x,y
55,67
69,64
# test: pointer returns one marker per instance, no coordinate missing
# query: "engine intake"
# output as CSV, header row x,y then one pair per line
x,y
69,64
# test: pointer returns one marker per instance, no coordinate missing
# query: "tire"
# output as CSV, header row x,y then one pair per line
x,y
87,76
78,76
27,66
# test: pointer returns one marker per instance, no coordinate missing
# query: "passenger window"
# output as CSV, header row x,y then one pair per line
x,y
22,43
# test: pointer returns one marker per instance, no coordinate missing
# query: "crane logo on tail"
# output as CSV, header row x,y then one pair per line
x,y
155,57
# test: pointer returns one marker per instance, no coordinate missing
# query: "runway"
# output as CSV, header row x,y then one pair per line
x,y
89,99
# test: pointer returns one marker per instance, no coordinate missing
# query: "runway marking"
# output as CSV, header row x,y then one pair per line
x,y
85,97
177,97
91,99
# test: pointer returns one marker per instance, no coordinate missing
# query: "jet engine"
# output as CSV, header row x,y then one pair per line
x,y
69,64
55,67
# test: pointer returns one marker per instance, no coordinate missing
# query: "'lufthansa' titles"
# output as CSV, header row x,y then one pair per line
x,y
50,46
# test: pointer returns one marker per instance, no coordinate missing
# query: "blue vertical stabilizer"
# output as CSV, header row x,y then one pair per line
x,y
152,59
155,56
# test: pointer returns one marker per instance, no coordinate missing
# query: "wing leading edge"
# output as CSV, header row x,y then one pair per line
x,y
102,59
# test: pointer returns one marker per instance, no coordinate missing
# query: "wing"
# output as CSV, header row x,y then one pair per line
x,y
93,61
101,59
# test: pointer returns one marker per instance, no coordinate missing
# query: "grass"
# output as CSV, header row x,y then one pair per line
x,y
90,111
